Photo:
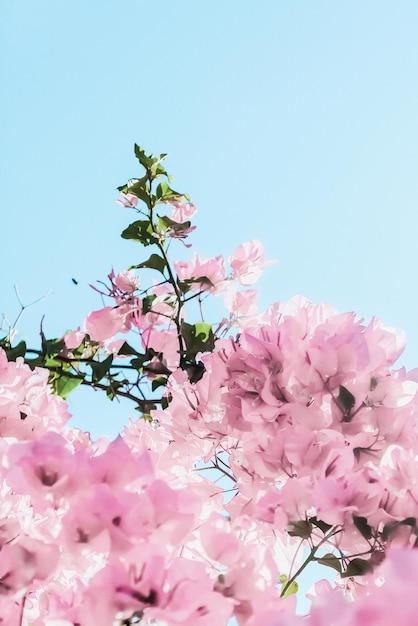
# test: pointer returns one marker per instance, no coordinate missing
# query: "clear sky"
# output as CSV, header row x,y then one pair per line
x,y
292,122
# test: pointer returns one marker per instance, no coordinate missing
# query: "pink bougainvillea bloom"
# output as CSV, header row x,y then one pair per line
x,y
182,211
128,200
73,339
126,282
105,323
164,342
241,303
213,269
248,262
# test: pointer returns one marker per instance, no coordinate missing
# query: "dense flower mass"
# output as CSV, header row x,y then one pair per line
x,y
264,443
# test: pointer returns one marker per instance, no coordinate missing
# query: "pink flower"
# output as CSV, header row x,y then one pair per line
x,y
212,269
73,339
182,211
247,262
126,282
241,303
106,323
128,200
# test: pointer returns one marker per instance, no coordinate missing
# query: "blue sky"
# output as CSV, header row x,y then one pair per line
x,y
291,122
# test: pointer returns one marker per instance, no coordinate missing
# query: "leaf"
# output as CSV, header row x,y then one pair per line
x,y
409,521
291,589
100,368
155,262
64,384
166,223
160,381
186,285
165,193
141,231
195,372
138,362
147,303
127,350
146,161
198,338
357,567
330,560
362,526
139,190
19,350
390,528
320,524
111,391
52,347
346,401
302,528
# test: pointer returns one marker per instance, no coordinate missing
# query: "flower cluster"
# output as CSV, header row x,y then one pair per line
x,y
265,443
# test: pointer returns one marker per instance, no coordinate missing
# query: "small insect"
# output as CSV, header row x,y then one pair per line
x,y
75,281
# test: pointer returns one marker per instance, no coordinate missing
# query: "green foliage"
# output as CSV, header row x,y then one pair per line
x,y
13,353
63,384
140,231
288,589
362,526
198,338
346,402
301,528
320,524
155,262
100,368
357,567
330,560
164,192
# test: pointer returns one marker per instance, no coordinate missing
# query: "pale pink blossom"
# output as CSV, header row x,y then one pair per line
x,y
182,211
212,269
248,262
105,323
128,200
73,339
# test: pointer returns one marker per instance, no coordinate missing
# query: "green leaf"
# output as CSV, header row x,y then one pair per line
x,y
186,285
138,362
195,371
111,391
147,303
100,368
320,524
160,381
291,589
19,350
158,170
357,567
198,338
64,384
139,190
141,231
330,560
155,262
346,401
362,526
166,223
373,383
165,193
390,528
52,347
302,528
145,161
127,350
409,521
